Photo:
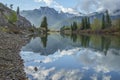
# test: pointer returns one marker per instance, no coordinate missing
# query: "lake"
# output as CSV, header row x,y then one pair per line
x,y
57,56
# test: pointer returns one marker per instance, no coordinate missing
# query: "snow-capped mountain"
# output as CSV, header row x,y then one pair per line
x,y
54,17
58,19
113,14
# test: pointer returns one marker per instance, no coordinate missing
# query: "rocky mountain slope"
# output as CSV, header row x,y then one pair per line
x,y
9,18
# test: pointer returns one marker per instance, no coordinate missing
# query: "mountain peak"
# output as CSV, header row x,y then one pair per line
x,y
45,7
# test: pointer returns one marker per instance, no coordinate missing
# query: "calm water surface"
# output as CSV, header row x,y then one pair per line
x,y
72,57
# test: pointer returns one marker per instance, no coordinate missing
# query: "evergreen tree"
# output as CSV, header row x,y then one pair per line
x,y
85,20
71,27
74,26
62,28
88,23
108,20
118,21
11,6
44,40
44,23
18,11
83,24
103,21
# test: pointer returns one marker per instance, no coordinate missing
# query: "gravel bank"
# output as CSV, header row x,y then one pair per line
x,y
11,64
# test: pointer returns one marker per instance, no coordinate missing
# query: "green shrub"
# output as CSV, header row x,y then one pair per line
x,y
3,29
12,17
96,25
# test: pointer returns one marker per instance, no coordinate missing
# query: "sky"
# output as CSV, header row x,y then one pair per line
x,y
72,6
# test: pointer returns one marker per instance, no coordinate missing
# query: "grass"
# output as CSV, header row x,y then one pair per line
x,y
112,31
3,29
107,31
10,30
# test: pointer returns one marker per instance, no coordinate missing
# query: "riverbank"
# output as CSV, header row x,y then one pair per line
x,y
11,64
111,31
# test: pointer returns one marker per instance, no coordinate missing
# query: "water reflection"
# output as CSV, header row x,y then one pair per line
x,y
85,41
44,40
72,57
102,43
105,44
74,37
73,64
48,44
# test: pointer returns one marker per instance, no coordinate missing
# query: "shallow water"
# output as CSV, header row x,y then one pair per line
x,y
72,57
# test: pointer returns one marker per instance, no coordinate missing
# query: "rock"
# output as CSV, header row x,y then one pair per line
x,y
35,68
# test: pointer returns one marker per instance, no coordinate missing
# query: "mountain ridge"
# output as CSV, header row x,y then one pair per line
x,y
58,19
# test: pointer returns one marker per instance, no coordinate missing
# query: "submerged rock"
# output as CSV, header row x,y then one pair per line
x,y
35,68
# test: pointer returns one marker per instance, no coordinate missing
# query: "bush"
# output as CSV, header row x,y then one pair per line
x,y
3,29
96,25
12,17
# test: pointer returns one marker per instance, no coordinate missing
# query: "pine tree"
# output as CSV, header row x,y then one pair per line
x,y
119,24
85,20
83,24
88,23
71,27
11,6
44,23
18,11
103,21
108,20
74,26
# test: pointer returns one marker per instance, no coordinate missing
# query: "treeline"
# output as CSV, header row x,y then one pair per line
x,y
95,25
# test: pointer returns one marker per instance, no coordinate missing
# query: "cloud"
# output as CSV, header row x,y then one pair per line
x,y
65,10
94,77
86,6
54,4
97,5
67,75
56,56
110,4
89,59
47,2
106,77
43,73
102,63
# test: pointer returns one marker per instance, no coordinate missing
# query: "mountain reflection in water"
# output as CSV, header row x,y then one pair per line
x,y
72,57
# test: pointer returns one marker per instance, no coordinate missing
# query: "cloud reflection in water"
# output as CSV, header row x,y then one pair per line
x,y
82,63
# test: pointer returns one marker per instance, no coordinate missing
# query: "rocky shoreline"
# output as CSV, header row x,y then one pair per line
x,y
11,64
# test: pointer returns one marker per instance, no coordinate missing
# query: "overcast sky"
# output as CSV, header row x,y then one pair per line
x,y
85,6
